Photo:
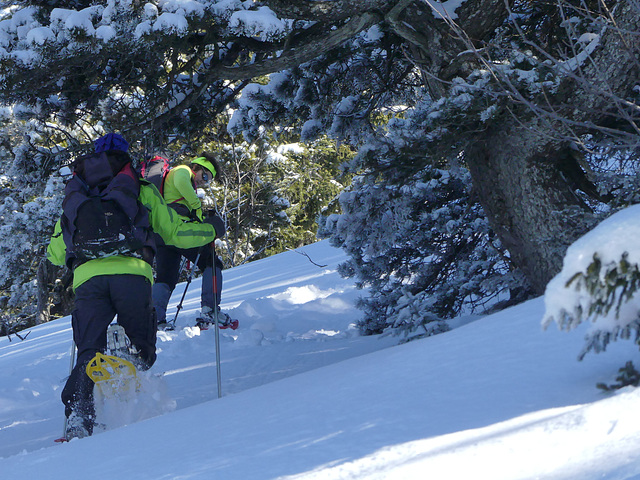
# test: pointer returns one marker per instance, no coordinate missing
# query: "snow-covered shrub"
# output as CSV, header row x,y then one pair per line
x,y
26,228
599,283
423,249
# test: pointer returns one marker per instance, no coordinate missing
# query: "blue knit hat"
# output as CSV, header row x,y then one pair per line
x,y
111,141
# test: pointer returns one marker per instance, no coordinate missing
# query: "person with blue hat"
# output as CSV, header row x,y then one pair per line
x,y
111,142
107,236
180,193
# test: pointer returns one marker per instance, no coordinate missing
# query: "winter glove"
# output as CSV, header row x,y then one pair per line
x,y
218,224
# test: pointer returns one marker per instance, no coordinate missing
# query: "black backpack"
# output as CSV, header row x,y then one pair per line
x,y
102,215
155,171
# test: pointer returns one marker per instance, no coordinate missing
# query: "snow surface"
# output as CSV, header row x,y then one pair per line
x,y
305,397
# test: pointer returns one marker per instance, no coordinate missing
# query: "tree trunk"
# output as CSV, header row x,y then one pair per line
x,y
531,207
524,179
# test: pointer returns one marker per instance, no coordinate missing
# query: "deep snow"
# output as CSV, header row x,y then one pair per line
x,y
305,397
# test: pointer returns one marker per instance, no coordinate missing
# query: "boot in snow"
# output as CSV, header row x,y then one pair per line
x,y
206,319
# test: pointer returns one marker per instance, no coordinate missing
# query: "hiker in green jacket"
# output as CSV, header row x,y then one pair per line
x,y
180,192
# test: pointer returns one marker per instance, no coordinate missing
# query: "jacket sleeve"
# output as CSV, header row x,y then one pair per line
x,y
170,226
183,183
57,250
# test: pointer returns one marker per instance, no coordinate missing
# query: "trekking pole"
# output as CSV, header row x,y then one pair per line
x,y
215,315
63,438
189,277
183,263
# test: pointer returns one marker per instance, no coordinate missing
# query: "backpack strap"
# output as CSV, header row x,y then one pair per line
x,y
129,171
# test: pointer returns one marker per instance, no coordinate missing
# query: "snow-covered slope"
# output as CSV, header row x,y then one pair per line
x,y
305,397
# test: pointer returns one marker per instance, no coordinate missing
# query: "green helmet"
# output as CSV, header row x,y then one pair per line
x,y
203,162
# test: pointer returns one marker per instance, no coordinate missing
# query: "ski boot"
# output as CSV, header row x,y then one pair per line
x,y
206,319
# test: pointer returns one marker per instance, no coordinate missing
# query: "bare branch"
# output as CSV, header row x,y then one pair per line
x,y
308,257
324,11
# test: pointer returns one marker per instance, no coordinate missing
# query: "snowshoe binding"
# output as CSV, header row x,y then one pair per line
x,y
166,326
118,342
119,345
206,320
115,370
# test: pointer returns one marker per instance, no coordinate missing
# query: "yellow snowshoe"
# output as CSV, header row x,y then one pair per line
x,y
112,372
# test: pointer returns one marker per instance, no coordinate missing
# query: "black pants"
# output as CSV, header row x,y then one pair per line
x,y
168,260
97,302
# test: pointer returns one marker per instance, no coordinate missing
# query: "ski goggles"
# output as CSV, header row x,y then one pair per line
x,y
203,162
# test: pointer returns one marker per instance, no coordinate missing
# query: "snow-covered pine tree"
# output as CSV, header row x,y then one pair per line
x,y
421,246
525,113
409,130
31,203
248,201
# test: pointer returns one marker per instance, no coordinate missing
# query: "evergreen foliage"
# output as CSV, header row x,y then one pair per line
x,y
627,376
30,200
608,286
308,175
422,246
599,284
